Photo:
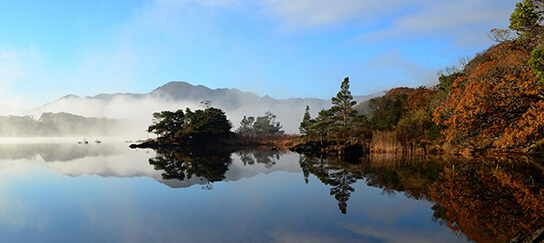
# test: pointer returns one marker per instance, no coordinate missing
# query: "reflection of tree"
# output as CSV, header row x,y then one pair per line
x,y
341,189
412,176
488,204
181,165
485,199
267,157
334,173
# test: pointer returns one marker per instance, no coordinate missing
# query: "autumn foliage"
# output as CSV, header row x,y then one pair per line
x,y
498,102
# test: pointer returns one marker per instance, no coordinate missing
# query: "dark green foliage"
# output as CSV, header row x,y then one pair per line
x,y
537,63
167,123
342,104
196,127
433,133
412,128
387,110
526,17
209,122
322,125
340,123
446,81
306,122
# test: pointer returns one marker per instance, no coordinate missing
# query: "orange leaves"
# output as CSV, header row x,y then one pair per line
x,y
496,104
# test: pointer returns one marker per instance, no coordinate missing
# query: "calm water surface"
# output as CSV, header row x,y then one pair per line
x,y
51,192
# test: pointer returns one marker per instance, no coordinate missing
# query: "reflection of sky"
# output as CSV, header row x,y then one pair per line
x,y
39,202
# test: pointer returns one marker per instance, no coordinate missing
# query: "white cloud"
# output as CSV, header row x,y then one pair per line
x,y
393,70
460,20
316,13
465,22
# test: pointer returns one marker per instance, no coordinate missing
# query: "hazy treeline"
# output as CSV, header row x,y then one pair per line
x,y
58,124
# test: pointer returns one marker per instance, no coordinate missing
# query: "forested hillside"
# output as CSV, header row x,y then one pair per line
x,y
494,100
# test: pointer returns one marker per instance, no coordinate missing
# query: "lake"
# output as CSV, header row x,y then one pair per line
x,y
68,192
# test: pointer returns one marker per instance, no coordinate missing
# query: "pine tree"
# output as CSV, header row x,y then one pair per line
x,y
343,104
306,122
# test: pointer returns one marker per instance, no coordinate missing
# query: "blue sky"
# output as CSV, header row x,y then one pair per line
x,y
281,48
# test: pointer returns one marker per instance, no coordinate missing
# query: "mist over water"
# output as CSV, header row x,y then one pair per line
x,y
136,112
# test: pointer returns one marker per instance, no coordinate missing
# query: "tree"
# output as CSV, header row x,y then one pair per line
x,y
267,124
412,128
496,103
190,127
501,35
207,124
343,103
246,126
263,125
321,127
536,62
306,122
389,109
167,123
445,81
526,17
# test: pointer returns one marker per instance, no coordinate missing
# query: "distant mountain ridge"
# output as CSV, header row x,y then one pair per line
x,y
179,95
179,90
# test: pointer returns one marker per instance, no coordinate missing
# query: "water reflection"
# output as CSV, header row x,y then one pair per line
x,y
491,199
51,152
267,157
334,173
208,166
485,199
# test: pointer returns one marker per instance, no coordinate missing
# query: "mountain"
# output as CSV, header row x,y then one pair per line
x,y
178,95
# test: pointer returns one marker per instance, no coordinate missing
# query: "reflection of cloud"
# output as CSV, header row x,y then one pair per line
x,y
396,233
310,237
55,152
14,211
389,211
117,160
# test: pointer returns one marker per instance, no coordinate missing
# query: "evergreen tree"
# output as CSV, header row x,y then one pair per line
x,y
343,104
321,127
306,122
526,17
